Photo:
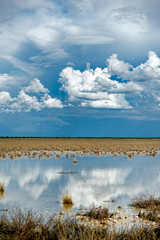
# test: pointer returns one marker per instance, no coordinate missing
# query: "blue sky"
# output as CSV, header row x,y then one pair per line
x,y
80,68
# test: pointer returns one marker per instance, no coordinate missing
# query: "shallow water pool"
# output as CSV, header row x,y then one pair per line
x,y
39,184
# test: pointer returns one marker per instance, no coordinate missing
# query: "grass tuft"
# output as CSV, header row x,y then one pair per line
x,y
75,161
67,199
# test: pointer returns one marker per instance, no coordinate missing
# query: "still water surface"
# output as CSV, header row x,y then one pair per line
x,y
39,184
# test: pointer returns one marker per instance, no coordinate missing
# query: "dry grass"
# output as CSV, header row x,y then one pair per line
x,y
97,213
67,199
44,147
150,206
145,201
27,225
75,161
151,215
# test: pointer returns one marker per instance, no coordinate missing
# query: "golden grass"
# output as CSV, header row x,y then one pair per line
x,y
44,147
67,199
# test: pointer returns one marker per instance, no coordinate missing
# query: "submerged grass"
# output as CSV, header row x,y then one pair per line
x,y
27,225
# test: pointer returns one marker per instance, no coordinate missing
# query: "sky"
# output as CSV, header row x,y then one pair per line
x,y
88,68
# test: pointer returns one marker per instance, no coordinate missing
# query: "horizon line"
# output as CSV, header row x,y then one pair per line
x,y
82,137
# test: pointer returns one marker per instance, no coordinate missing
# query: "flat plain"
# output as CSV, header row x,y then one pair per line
x,y
24,146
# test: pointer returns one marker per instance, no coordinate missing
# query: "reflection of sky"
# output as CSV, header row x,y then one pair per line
x,y
37,184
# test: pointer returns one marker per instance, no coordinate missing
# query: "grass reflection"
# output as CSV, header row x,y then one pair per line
x,y
1,195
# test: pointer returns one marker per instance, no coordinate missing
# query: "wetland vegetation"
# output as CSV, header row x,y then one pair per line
x,y
18,147
23,224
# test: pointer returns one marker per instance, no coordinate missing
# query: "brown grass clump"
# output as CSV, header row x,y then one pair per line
x,y
67,199
151,215
145,201
75,161
97,213
150,206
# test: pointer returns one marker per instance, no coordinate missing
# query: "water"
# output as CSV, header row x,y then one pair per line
x,y
39,184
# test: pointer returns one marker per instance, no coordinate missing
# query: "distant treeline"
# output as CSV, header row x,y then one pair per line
x,y
85,137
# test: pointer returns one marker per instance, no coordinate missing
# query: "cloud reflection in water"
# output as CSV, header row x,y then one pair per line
x,y
37,184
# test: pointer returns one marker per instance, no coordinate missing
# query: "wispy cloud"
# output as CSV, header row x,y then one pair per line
x,y
52,27
23,66
6,79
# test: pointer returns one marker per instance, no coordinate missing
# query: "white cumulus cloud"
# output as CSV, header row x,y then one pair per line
x,y
36,86
23,102
95,88
146,71
5,98
118,86
49,102
114,101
